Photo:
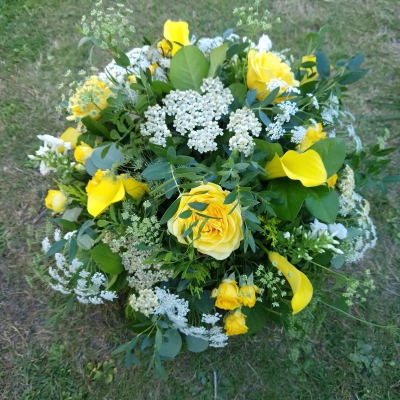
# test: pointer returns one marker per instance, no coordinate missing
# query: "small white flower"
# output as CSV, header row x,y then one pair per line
x,y
264,43
286,235
338,230
317,226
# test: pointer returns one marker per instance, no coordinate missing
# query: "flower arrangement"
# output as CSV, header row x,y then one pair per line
x,y
208,184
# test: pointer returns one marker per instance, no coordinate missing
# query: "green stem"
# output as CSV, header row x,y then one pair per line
x,y
353,317
262,247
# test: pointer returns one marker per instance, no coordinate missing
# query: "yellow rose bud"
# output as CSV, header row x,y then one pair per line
x,y
82,152
227,295
69,136
262,68
235,323
89,99
313,135
221,233
332,181
56,200
132,79
175,32
248,295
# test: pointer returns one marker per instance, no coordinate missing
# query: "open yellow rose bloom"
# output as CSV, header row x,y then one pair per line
x,y
307,167
262,68
235,323
227,295
103,191
300,284
56,200
177,33
222,232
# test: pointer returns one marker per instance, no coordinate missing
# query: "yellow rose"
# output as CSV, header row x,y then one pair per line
x,y
174,32
248,295
235,323
82,152
313,135
227,295
89,99
56,200
103,191
310,71
221,234
69,136
262,68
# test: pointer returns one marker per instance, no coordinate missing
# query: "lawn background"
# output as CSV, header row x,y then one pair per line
x,y
44,360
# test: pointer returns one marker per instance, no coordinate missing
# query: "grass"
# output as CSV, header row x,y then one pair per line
x,y
42,359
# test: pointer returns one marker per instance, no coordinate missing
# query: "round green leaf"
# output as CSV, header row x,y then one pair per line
x,y
195,344
108,261
171,345
323,203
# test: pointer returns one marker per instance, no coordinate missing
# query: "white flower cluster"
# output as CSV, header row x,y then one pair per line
x,y
145,303
155,125
355,137
298,134
176,310
275,130
279,83
330,111
337,230
195,115
243,123
346,185
87,288
50,156
207,45
314,100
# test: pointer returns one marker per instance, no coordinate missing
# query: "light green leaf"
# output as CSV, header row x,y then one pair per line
x,y
189,67
238,91
108,261
217,57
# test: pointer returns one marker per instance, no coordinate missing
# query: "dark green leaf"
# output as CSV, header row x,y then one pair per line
x,y
157,171
186,214
160,151
353,76
55,248
271,148
332,152
198,206
172,209
291,193
323,203
72,249
95,127
265,120
64,223
238,91
323,66
270,98
255,317
355,62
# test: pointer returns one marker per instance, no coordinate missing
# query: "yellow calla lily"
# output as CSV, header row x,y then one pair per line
x,y
134,188
175,32
298,281
307,167
105,190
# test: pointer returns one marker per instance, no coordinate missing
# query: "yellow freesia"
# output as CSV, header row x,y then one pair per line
x,y
313,135
82,152
307,167
69,136
264,67
104,190
298,281
175,32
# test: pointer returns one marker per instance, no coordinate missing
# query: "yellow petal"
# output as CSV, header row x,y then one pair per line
x,y
102,195
332,181
69,136
134,188
307,167
175,32
274,168
300,284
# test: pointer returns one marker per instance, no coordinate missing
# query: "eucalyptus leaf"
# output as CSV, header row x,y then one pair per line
x,y
195,344
103,158
172,343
